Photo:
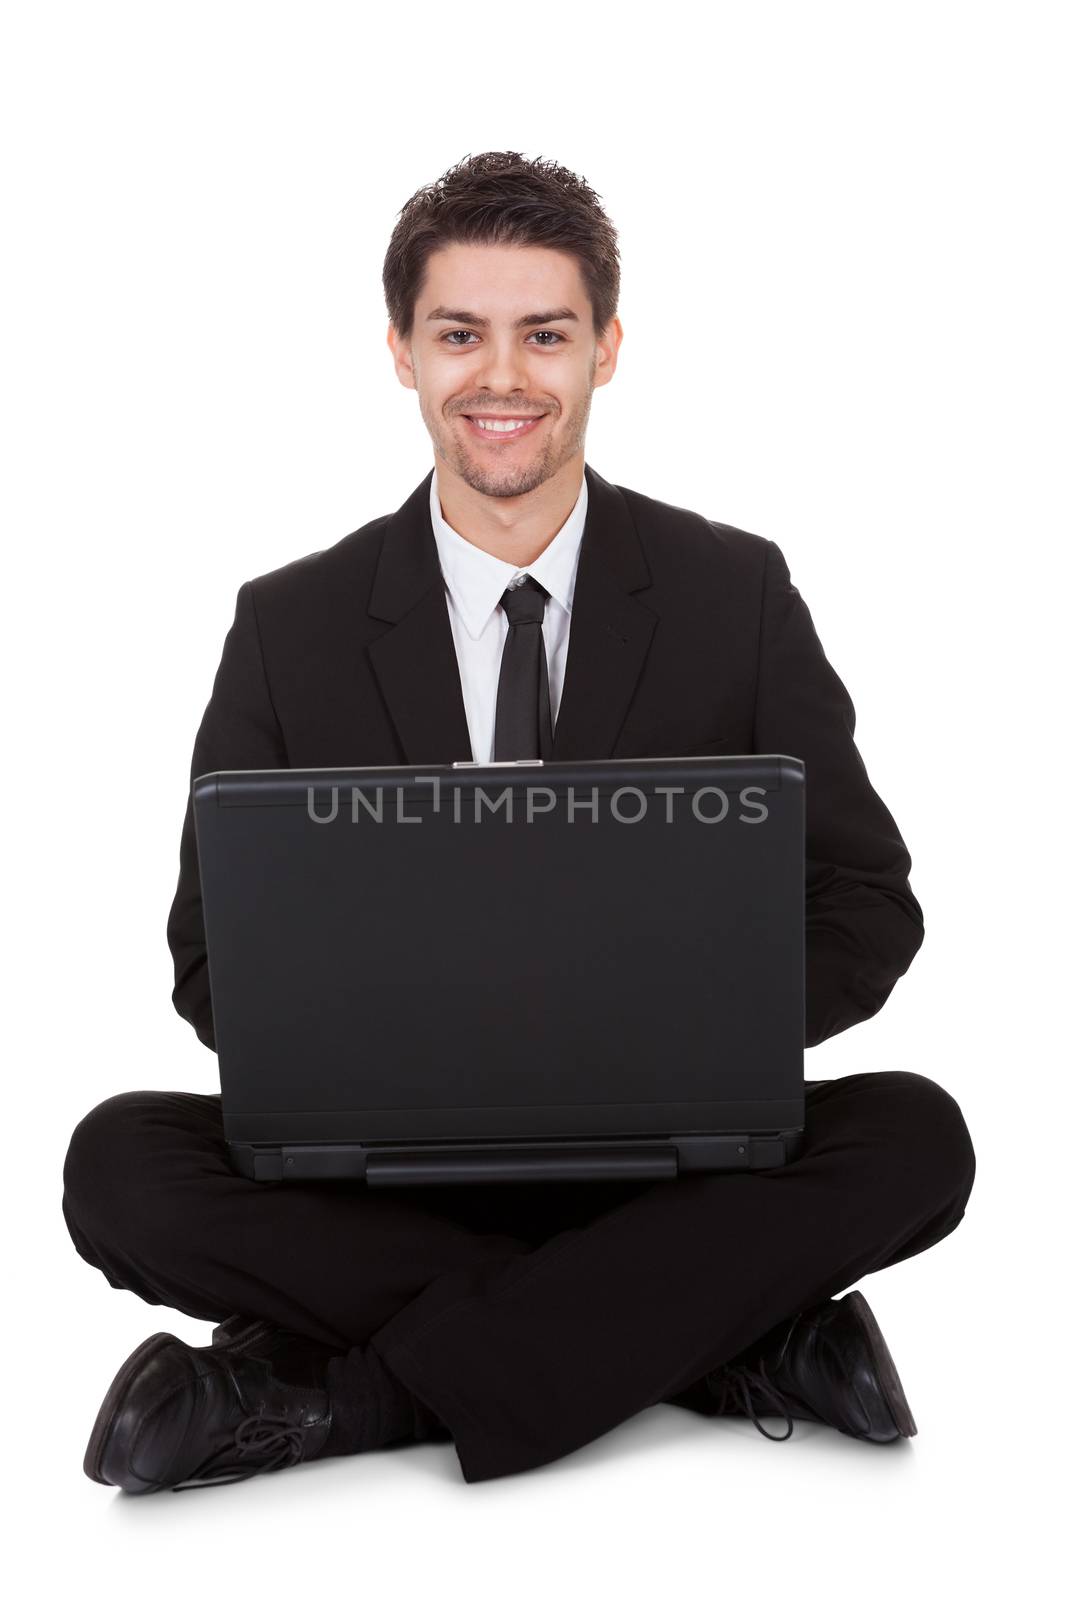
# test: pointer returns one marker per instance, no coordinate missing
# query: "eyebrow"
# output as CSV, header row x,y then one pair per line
x,y
532,319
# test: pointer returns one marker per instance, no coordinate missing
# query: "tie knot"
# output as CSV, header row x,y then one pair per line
x,y
525,602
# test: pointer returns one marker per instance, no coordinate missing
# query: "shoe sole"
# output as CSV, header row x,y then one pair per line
x,y
885,1368
115,1398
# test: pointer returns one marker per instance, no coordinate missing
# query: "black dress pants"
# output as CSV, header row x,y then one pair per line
x,y
530,1318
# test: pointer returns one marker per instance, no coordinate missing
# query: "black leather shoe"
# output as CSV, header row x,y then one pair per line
x,y
827,1364
178,1416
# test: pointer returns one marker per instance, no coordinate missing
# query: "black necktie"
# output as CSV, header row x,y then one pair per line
x,y
523,709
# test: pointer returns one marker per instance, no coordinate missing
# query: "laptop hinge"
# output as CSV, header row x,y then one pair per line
x,y
529,1162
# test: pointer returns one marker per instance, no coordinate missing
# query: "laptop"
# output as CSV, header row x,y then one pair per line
x,y
507,971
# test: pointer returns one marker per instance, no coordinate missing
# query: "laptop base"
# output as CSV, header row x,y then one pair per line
x,y
531,1161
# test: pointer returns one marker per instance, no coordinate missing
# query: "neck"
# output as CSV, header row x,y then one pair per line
x,y
516,528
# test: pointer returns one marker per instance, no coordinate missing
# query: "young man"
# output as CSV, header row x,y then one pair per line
x,y
518,604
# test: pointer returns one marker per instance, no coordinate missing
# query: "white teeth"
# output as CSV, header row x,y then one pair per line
x,y
503,427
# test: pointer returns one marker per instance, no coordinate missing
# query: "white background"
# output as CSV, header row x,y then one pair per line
x,y
843,313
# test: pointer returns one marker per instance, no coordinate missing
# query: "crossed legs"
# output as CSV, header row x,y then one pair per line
x,y
530,1318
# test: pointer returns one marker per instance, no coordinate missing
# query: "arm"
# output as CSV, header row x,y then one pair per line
x,y
864,925
239,731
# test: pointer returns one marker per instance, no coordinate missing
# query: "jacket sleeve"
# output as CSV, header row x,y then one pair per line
x,y
864,924
239,732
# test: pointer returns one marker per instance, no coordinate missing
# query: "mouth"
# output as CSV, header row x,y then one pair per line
x,y
502,430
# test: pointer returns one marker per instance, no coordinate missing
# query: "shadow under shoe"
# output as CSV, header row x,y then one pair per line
x,y
830,1364
179,1416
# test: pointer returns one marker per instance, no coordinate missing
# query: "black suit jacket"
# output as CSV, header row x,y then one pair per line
x,y
687,638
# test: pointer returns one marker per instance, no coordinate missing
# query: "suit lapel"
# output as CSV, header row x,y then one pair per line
x,y
415,661
610,631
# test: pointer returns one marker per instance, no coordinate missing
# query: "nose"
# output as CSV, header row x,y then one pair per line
x,y
503,371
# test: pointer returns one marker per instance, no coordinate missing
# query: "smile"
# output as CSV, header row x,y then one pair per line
x,y
500,432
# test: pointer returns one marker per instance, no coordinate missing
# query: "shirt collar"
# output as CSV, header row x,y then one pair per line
x,y
476,579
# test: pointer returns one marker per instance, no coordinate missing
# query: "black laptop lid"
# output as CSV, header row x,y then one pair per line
x,y
485,951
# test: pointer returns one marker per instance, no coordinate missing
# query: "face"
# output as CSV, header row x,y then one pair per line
x,y
505,332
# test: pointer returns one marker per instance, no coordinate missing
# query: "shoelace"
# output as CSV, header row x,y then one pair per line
x,y
737,1383
268,1439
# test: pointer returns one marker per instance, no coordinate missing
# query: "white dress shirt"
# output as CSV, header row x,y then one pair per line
x,y
474,582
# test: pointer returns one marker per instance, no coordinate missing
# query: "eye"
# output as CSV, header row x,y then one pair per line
x,y
466,333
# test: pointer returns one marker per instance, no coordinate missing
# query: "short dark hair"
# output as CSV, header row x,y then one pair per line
x,y
500,197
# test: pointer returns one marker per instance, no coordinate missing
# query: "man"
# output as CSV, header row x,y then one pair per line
x,y
518,604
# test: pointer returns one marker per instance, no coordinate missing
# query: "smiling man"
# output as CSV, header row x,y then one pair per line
x,y
519,605
502,351
506,398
